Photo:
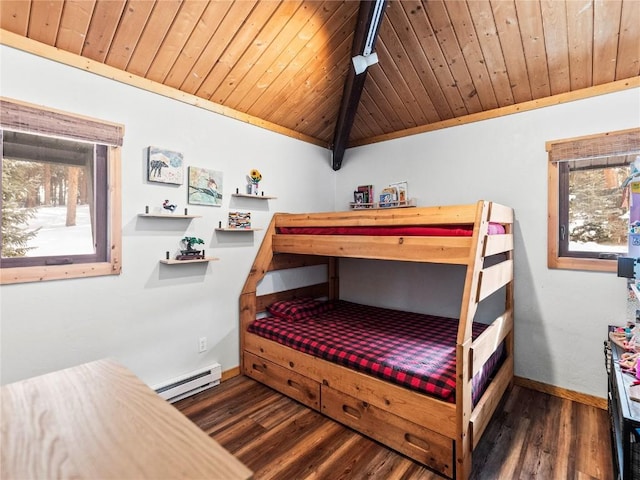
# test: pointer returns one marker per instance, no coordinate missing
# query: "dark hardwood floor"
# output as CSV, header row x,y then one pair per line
x,y
532,435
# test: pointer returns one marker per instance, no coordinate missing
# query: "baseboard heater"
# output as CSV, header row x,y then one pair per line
x,y
190,384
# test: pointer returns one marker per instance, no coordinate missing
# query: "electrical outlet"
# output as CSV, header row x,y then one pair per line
x,y
202,344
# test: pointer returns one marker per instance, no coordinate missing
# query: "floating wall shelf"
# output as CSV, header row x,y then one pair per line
x,y
183,262
257,197
237,229
162,215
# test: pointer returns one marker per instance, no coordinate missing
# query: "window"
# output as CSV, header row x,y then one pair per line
x,y
588,199
60,195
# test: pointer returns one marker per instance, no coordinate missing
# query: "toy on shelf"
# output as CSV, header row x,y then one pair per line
x,y
169,206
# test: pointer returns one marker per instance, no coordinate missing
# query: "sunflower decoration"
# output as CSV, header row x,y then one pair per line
x,y
255,176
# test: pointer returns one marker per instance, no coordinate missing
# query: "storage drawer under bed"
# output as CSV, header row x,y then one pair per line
x,y
420,443
290,383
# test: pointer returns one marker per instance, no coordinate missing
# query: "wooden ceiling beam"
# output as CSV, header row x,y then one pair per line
x,y
354,84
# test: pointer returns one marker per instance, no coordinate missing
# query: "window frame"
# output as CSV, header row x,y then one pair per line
x,y
21,116
558,150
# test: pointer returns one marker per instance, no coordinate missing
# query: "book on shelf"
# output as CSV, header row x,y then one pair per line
x,y
363,196
240,220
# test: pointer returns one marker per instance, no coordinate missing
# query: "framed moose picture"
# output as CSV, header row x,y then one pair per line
x,y
164,166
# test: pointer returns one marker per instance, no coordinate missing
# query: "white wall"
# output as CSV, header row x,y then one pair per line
x,y
151,316
560,316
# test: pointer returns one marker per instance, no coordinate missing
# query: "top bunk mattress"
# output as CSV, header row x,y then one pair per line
x,y
417,351
417,231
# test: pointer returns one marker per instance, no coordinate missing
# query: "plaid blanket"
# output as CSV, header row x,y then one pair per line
x,y
414,350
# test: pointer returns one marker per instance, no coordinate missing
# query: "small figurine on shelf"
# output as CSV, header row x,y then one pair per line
x,y
169,206
190,253
254,178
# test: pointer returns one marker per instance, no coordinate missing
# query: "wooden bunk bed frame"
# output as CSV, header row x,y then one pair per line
x,y
431,431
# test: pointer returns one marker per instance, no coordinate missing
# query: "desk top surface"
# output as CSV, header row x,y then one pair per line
x,y
98,420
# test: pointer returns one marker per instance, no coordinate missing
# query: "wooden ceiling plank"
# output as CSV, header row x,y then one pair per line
x,y
273,38
198,42
179,33
258,80
482,18
372,115
628,64
363,125
408,39
134,18
472,54
235,17
366,32
153,35
74,24
102,28
44,21
300,87
316,102
397,64
397,91
580,35
393,90
554,23
356,131
506,19
606,33
14,16
446,37
530,21
322,119
420,24
244,38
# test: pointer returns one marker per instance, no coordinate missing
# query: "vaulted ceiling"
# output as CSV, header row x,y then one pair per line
x,y
286,62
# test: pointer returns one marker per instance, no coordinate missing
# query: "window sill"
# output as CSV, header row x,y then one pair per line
x,y
58,272
589,264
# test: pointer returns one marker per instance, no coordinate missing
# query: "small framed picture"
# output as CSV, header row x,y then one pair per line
x,y
386,199
403,194
164,166
205,187
359,198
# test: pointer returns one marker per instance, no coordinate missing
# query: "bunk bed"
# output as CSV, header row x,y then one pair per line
x,y
438,427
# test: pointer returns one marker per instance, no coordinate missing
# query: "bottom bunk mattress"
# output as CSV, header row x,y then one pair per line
x,y
414,350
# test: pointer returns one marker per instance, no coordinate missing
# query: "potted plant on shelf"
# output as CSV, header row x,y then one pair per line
x,y
190,253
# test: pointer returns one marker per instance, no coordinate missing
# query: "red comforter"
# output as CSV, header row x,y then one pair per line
x,y
414,350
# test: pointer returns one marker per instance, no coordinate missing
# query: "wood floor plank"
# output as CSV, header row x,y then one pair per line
x,y
532,435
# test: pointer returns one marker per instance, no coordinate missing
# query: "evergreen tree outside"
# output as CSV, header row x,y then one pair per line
x,y
598,207
17,183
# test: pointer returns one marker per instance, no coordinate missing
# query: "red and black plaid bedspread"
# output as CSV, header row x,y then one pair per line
x,y
410,349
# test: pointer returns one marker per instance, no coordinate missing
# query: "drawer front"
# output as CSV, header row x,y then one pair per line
x,y
290,383
419,443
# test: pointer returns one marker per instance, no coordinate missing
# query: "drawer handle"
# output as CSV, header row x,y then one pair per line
x,y
352,412
293,384
259,368
417,442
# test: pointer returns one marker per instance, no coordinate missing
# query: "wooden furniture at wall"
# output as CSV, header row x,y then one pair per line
x,y
98,420
625,416
436,433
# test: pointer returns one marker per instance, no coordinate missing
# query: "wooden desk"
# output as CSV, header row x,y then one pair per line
x,y
98,421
